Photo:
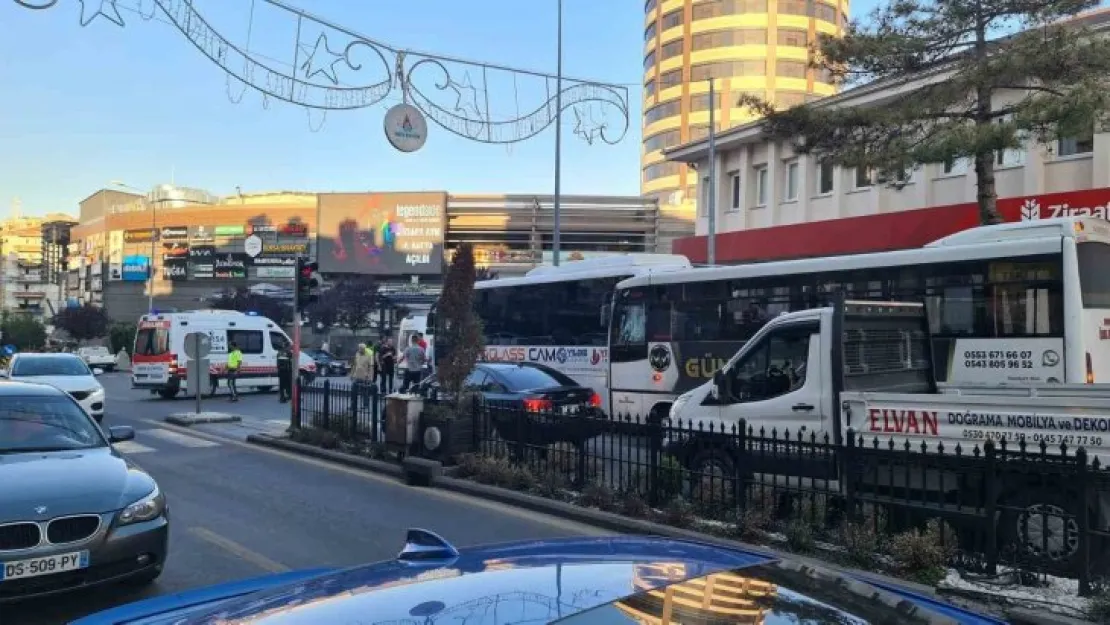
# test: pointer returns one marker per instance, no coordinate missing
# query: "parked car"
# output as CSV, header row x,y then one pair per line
x,y
611,580
75,512
63,371
527,387
327,364
98,356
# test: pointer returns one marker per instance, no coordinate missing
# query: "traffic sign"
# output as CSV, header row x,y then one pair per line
x,y
252,245
197,345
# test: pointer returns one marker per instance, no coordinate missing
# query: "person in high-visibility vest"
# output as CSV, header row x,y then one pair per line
x,y
234,362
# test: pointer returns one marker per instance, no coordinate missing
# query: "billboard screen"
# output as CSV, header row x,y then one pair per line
x,y
381,233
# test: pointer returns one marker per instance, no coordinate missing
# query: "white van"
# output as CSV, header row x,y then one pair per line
x,y
159,360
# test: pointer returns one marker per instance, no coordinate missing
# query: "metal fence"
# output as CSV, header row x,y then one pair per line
x,y
348,409
1022,507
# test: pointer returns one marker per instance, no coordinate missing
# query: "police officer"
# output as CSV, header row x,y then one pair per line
x,y
285,374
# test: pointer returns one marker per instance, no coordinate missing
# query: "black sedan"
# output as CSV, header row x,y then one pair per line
x,y
74,512
327,364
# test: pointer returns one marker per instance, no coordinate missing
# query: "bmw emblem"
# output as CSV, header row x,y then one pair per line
x,y
40,510
659,358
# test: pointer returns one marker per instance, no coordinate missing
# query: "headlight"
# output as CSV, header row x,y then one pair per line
x,y
145,509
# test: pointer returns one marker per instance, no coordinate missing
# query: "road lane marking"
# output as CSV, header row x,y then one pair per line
x,y
131,447
572,527
236,549
185,440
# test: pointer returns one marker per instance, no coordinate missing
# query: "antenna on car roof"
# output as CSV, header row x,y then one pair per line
x,y
423,544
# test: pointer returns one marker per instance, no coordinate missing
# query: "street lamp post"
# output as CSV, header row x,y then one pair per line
x,y
556,235
153,245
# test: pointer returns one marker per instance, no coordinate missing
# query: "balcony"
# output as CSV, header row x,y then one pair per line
x,y
28,294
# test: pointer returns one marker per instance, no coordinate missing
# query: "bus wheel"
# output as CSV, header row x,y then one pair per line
x,y
168,393
1041,524
658,413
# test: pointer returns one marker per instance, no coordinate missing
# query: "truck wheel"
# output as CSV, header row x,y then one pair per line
x,y
265,389
1042,524
713,461
168,393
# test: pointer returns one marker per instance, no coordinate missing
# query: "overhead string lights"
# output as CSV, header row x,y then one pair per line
x,y
331,67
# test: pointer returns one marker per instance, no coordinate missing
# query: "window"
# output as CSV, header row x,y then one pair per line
x,y
790,182
279,341
629,327
45,424
649,32
862,177
734,188
557,313
720,8
793,7
761,194
703,205
662,140
776,366
29,366
667,109
672,19
1010,157
955,166
825,177
152,341
249,341
824,12
672,78
1094,274
789,99
700,102
671,50
791,69
649,88
530,378
475,380
725,69
1071,146
793,37
649,60
724,38
661,170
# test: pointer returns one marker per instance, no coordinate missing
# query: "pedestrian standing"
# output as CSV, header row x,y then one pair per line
x,y
234,363
387,365
413,360
362,370
285,374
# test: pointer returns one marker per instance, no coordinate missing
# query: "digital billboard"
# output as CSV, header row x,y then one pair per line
x,y
381,233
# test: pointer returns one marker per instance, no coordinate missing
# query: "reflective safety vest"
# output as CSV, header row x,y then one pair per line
x,y
234,359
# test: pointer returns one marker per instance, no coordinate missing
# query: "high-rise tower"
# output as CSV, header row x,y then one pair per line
x,y
745,46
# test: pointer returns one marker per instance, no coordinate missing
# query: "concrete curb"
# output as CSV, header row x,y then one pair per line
x,y
626,525
338,457
186,419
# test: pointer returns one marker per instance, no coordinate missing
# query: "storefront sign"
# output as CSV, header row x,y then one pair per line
x,y
175,233
202,234
381,233
136,268
275,272
146,235
175,270
174,250
263,229
285,249
293,230
274,261
230,231
231,265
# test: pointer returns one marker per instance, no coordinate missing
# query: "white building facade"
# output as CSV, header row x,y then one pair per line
x,y
772,203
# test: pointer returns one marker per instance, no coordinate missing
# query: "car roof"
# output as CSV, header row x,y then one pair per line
x,y
12,388
500,367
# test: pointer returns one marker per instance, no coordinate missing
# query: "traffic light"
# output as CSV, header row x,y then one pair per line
x,y
308,283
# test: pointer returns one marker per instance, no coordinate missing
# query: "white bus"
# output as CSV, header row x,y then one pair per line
x,y
1020,303
559,316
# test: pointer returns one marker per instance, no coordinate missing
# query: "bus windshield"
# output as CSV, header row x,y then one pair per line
x,y
1094,274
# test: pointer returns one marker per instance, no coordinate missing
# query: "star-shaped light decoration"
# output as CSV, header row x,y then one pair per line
x,y
104,8
470,103
587,128
309,66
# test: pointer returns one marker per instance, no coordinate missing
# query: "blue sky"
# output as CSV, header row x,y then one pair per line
x,y
81,107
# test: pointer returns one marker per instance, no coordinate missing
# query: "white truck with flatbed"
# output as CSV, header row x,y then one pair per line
x,y
863,370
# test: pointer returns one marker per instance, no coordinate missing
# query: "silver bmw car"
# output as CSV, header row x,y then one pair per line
x,y
73,512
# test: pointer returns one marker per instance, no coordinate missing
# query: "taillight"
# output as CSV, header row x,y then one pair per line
x,y
173,364
538,405
595,401
1090,370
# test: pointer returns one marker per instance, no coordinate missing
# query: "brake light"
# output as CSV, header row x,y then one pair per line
x,y
595,400
1090,370
173,364
538,405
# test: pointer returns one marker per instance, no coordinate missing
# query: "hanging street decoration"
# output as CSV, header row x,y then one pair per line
x,y
331,67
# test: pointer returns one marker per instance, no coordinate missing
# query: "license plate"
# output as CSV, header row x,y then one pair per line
x,y
568,409
46,565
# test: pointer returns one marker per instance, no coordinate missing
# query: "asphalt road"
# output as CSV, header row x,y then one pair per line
x,y
240,511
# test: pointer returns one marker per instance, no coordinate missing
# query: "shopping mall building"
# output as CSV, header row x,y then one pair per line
x,y
196,244
772,203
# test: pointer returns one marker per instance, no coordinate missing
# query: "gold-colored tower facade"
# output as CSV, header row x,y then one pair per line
x,y
760,47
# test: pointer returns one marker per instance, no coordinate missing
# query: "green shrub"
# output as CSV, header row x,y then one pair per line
x,y
679,513
920,555
800,535
598,495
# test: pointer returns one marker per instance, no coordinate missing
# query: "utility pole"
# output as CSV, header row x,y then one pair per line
x,y
711,241
556,238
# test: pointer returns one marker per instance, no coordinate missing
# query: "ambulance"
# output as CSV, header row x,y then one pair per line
x,y
158,362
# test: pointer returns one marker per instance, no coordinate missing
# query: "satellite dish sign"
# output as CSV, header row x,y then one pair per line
x,y
252,245
405,128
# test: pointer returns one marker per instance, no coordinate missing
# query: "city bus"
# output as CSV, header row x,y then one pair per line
x,y
1019,304
559,316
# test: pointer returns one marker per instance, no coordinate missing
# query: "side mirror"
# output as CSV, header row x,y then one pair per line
x,y
719,383
98,371
121,433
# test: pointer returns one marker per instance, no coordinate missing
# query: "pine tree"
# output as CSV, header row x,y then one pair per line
x,y
459,341
996,73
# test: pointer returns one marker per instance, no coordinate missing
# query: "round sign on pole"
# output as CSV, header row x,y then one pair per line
x,y
405,128
252,245
197,345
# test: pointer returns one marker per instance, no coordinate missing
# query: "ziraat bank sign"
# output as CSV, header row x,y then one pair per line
x,y
1093,203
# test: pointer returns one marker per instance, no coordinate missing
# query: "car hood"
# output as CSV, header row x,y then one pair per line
x,y
68,482
67,383
537,581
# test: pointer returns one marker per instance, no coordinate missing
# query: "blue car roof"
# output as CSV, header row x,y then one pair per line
x,y
538,581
